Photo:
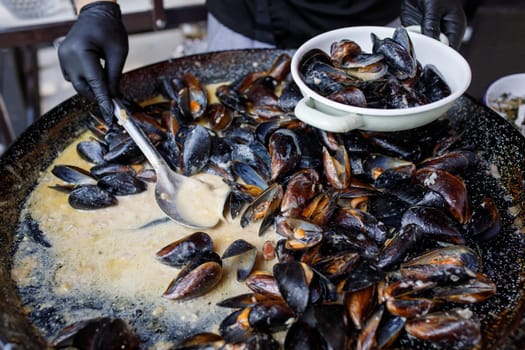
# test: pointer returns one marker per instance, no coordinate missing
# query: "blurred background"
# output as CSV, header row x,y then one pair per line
x,y
31,82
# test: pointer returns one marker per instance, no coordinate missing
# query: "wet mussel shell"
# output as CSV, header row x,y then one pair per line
x,y
90,197
98,333
92,151
200,275
245,254
293,279
180,252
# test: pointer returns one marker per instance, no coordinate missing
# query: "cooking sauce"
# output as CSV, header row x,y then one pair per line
x,y
202,204
102,262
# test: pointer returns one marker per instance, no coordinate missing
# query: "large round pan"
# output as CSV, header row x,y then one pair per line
x,y
37,147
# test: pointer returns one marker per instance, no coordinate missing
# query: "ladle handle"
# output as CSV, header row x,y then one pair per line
x,y
141,139
333,123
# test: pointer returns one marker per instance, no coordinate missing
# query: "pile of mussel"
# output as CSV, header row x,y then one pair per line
x,y
370,233
388,77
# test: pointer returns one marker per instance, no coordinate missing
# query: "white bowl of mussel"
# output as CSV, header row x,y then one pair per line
x,y
376,78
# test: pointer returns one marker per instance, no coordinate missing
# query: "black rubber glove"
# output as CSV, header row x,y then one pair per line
x,y
435,16
98,34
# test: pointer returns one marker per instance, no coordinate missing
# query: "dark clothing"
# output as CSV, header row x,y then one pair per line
x,y
289,23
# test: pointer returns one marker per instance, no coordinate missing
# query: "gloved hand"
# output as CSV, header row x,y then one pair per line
x,y
435,16
98,34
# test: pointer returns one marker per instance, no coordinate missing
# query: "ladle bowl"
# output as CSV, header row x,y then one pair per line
x,y
192,202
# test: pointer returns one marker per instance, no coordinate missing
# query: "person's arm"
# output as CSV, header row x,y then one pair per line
x,y
94,51
435,16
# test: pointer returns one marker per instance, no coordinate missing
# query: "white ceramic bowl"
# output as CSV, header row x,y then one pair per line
x,y
513,84
329,115
512,107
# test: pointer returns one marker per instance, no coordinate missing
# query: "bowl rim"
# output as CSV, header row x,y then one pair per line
x,y
380,30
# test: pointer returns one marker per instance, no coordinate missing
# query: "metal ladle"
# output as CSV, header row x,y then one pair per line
x,y
179,196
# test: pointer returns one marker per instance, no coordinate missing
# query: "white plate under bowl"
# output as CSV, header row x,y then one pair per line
x,y
329,115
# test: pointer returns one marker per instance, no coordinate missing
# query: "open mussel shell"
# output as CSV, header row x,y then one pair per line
x,y
301,188
192,97
245,254
347,53
400,60
313,57
300,233
266,207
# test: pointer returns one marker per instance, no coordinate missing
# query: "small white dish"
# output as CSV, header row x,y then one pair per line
x,y
329,115
506,96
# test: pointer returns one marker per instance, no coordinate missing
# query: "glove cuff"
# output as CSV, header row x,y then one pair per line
x,y
103,8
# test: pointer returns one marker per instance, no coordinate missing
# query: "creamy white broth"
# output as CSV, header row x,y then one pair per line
x,y
105,255
202,201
